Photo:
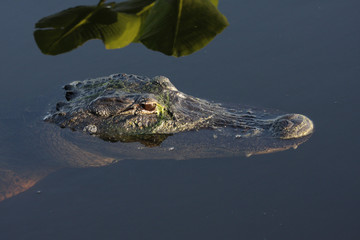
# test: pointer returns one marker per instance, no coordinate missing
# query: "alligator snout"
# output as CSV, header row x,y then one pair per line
x,y
290,126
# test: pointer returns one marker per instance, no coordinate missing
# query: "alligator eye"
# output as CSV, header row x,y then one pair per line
x,y
148,106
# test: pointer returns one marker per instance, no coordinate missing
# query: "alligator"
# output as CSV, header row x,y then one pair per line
x,y
127,107
130,108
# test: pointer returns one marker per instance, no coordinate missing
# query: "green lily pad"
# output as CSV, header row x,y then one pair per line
x,y
181,27
173,27
65,31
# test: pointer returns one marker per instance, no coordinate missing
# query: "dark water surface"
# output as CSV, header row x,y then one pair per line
x,y
297,56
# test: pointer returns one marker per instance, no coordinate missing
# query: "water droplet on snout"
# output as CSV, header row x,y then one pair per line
x,y
92,129
249,154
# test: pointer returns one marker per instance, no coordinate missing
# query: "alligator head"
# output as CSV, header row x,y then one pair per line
x,y
125,107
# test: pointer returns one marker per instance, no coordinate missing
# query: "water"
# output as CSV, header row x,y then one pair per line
x,y
297,56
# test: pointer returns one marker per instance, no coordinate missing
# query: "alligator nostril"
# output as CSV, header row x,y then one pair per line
x,y
284,124
292,126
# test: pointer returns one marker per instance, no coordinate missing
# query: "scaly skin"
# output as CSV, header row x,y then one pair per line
x,y
124,105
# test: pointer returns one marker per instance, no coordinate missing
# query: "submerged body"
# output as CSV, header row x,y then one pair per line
x,y
124,106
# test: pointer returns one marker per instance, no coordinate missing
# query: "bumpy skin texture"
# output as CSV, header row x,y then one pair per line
x,y
124,107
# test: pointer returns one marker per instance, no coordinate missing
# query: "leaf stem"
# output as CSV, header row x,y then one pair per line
x,y
101,3
180,9
145,8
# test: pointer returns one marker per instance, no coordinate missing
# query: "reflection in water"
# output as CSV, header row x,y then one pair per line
x,y
33,151
53,148
13,183
175,28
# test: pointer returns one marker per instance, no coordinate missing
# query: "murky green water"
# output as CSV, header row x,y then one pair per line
x,y
296,56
